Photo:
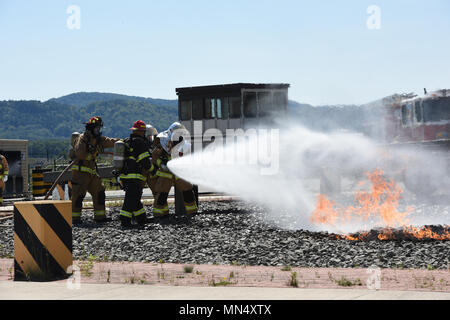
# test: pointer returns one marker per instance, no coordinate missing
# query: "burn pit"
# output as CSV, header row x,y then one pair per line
x,y
239,233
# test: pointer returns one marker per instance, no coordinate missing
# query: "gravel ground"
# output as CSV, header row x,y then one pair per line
x,y
236,233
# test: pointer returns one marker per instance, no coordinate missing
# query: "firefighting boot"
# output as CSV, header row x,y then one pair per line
x,y
141,218
189,203
125,222
161,207
100,217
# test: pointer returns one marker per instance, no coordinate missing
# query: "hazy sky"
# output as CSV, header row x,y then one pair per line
x,y
324,49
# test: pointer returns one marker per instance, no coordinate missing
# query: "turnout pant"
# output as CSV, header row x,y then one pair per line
x,y
83,182
151,182
132,205
162,188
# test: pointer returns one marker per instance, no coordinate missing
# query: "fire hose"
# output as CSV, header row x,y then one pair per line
x,y
49,192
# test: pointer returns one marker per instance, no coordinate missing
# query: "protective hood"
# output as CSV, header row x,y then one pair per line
x,y
164,139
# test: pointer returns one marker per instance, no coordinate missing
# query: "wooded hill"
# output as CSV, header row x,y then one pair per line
x,y
48,125
58,118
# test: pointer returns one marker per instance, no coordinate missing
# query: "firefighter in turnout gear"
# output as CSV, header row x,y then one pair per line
x,y
160,156
134,174
151,134
3,176
85,177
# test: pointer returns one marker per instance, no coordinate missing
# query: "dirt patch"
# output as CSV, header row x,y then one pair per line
x,y
170,274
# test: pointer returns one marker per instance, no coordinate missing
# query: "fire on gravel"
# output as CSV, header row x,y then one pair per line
x,y
380,205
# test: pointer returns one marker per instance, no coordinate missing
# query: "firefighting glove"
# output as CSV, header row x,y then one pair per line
x,y
5,178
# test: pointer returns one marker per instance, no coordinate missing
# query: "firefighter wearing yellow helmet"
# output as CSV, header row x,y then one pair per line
x,y
85,177
164,143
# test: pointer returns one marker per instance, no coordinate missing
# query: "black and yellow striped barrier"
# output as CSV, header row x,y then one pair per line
x,y
42,240
40,187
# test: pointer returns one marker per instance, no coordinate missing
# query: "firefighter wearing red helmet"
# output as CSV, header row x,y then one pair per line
x,y
3,176
165,144
134,174
85,177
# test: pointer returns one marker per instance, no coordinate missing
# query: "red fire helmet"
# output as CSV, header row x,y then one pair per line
x,y
139,126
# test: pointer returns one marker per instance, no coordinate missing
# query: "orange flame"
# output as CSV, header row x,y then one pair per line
x,y
380,203
386,235
426,233
324,212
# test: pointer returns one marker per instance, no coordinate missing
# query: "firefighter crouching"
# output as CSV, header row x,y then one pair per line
x,y
3,176
151,134
85,177
137,164
160,156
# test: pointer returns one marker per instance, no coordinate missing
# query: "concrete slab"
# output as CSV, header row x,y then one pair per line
x,y
59,291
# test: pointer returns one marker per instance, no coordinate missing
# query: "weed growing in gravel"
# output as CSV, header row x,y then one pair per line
x,y
231,275
130,279
134,279
86,266
198,272
188,269
286,268
293,282
6,255
443,283
161,275
213,283
426,282
108,276
143,280
344,282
